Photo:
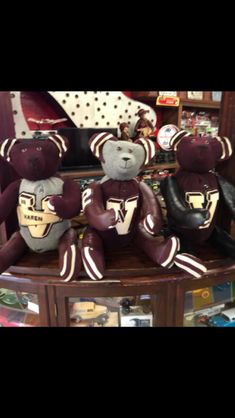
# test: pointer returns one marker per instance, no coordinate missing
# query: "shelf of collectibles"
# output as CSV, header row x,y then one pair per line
x,y
195,110
210,306
18,309
111,312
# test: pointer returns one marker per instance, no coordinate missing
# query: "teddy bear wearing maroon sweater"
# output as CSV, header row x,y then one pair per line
x,y
196,193
122,211
44,201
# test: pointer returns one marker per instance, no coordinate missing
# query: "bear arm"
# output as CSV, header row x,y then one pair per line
x,y
150,206
177,209
97,216
9,199
69,205
228,192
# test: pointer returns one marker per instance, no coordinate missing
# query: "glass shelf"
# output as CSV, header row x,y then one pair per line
x,y
210,306
111,312
18,309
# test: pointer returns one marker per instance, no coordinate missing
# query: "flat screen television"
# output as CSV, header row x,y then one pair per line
x,y
79,155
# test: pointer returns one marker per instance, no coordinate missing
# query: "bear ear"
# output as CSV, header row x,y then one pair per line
x,y
97,141
149,148
61,142
223,148
176,138
6,147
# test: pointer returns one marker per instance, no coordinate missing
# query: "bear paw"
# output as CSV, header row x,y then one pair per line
x,y
190,264
167,251
93,263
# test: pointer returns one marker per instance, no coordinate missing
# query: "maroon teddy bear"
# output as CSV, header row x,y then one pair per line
x,y
122,211
44,202
196,193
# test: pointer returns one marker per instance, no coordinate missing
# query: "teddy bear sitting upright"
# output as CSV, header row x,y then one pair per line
x,y
196,193
44,203
120,210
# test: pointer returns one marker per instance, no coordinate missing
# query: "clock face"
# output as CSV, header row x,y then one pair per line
x,y
164,136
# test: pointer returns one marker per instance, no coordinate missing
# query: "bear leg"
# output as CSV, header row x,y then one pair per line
x,y
93,254
69,256
190,264
161,251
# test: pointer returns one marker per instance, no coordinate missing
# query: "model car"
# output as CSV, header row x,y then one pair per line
x,y
224,319
208,312
89,311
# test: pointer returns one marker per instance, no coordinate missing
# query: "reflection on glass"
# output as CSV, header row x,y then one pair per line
x,y
111,312
210,306
18,309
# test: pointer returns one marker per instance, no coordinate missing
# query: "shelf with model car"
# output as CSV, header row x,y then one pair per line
x,y
111,312
129,275
22,301
98,173
210,303
211,306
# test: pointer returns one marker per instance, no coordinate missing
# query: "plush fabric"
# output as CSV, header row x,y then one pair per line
x,y
44,202
122,211
194,195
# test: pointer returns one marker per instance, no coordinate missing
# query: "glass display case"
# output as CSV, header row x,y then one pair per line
x,y
18,309
210,306
111,311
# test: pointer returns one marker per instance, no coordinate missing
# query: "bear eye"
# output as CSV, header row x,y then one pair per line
x,y
39,148
119,148
23,149
130,151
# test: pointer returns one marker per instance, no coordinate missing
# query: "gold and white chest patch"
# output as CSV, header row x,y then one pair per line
x,y
124,210
39,222
198,200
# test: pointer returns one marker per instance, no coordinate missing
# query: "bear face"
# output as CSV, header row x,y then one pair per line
x,y
35,159
197,154
122,160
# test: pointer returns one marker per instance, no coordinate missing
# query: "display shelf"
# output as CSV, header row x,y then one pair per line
x,y
111,312
129,273
100,173
143,277
15,318
36,312
173,114
207,104
163,166
210,305
202,299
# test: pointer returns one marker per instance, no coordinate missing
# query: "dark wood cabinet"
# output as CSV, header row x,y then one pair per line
x,y
129,273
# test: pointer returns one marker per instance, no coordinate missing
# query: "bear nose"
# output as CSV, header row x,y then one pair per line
x,y
33,160
126,159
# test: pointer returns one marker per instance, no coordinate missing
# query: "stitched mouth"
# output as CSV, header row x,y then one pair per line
x,y
126,165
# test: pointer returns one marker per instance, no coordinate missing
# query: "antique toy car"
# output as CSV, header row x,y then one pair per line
x,y
89,311
224,319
